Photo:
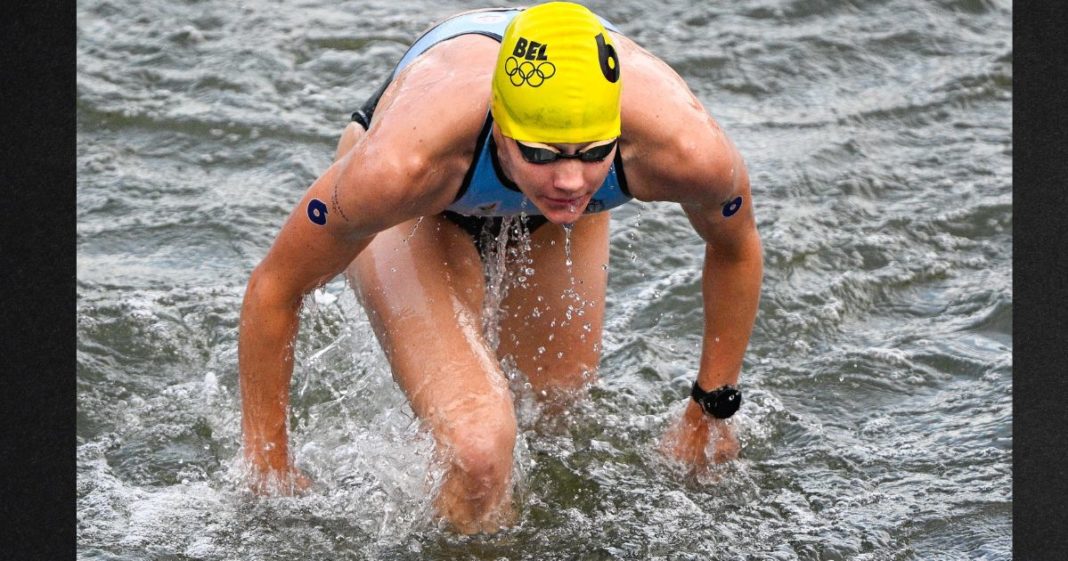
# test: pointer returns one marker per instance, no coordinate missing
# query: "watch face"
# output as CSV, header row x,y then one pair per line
x,y
723,404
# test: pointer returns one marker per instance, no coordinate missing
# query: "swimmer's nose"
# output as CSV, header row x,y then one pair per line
x,y
569,176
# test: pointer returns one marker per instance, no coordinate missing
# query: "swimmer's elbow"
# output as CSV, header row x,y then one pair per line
x,y
740,245
266,289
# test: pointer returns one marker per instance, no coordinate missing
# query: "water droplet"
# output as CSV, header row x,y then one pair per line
x,y
567,250
414,228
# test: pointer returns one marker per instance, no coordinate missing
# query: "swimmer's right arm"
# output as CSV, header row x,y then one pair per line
x,y
314,245
388,177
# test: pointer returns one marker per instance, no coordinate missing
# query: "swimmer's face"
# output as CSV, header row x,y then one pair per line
x,y
560,189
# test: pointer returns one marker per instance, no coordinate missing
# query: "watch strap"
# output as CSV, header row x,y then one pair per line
x,y
720,403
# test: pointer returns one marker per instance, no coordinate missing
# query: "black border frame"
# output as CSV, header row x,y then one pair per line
x,y
38,262
1040,279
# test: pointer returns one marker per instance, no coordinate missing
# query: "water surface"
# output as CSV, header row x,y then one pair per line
x,y
877,422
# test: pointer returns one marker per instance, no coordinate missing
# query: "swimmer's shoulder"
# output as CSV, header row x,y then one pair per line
x,y
449,84
670,143
429,119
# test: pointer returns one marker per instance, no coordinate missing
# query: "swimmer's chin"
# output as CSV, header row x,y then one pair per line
x,y
565,220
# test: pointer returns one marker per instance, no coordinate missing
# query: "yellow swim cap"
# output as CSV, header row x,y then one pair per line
x,y
557,78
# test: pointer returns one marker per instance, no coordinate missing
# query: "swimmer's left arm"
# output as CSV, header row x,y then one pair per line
x,y
720,209
673,150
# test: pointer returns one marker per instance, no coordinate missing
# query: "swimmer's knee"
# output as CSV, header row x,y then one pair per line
x,y
476,494
353,131
582,371
483,452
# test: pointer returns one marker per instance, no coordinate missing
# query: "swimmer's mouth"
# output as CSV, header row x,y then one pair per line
x,y
572,202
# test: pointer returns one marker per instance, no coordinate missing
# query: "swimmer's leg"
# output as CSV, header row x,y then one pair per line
x,y
422,287
553,325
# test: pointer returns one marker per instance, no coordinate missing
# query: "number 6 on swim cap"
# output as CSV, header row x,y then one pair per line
x,y
606,54
557,78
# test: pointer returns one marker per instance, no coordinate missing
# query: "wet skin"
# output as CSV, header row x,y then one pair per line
x,y
561,189
420,278
422,285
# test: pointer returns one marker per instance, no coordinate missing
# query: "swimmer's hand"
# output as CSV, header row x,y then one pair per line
x,y
265,479
286,483
688,441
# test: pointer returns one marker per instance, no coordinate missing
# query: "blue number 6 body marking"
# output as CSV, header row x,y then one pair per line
x,y
317,212
732,207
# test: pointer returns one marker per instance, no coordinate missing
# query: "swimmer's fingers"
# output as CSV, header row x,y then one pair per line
x,y
726,446
284,483
686,439
299,482
698,441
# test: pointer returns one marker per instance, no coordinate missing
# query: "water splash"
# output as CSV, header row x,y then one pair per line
x,y
414,228
864,479
575,304
567,249
495,272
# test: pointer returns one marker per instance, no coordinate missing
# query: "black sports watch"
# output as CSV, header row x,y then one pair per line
x,y
720,403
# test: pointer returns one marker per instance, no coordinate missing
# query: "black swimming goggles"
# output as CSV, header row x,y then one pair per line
x,y
538,155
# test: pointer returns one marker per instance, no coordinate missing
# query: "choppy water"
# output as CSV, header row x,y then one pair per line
x,y
878,139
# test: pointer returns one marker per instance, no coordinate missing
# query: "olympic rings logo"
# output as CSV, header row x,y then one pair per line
x,y
527,72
